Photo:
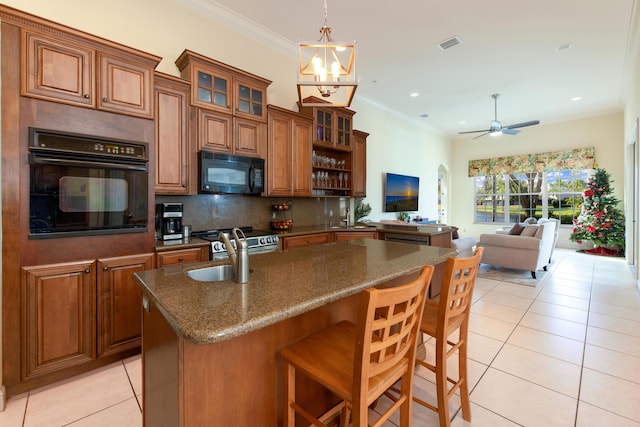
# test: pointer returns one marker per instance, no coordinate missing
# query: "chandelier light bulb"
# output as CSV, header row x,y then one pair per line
x,y
335,70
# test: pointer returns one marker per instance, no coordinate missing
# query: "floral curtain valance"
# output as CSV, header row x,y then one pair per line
x,y
579,158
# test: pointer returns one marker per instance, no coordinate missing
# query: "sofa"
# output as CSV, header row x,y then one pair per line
x,y
531,220
528,247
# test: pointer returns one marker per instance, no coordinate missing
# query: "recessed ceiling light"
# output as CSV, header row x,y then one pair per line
x,y
414,94
462,122
564,47
576,98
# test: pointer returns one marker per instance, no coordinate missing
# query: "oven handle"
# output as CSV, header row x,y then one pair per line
x,y
70,162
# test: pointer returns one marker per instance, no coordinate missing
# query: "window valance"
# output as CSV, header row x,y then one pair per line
x,y
579,158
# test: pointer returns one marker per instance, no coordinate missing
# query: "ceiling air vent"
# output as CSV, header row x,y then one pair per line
x,y
451,42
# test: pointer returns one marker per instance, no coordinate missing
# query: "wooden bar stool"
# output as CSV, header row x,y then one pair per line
x,y
359,362
440,320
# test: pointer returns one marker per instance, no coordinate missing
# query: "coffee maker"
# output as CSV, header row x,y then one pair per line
x,y
168,221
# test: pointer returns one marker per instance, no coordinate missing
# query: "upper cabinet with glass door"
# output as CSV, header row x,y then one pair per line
x,y
221,87
333,126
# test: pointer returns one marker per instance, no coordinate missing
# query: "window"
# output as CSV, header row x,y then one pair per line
x,y
511,198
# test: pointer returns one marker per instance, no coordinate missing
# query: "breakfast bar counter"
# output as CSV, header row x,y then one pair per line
x,y
210,349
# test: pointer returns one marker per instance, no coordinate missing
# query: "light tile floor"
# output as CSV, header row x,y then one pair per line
x,y
563,353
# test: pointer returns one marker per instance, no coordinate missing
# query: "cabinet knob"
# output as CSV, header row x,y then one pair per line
x,y
85,96
105,268
104,99
180,259
87,271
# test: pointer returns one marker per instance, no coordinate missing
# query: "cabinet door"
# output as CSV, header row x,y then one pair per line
x,y
249,137
306,240
352,235
214,131
302,148
126,86
250,100
120,302
58,317
211,88
57,70
279,157
359,175
182,256
172,137
343,131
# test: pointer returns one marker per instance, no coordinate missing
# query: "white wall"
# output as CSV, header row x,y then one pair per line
x,y
403,146
605,133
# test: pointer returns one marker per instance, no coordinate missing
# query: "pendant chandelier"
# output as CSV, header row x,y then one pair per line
x,y
326,71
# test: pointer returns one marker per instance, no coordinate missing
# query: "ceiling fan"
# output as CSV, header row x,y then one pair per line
x,y
496,127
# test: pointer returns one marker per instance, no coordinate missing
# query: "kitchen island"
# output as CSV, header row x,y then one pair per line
x,y
210,349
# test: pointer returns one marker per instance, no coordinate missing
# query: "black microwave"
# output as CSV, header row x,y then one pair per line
x,y
230,174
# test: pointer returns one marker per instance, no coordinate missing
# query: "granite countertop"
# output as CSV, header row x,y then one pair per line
x,y
282,285
399,227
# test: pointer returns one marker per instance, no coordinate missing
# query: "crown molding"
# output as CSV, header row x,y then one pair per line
x,y
236,22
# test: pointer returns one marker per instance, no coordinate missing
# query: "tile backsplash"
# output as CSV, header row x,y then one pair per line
x,y
211,211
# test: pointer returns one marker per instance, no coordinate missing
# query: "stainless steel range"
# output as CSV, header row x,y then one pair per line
x,y
258,241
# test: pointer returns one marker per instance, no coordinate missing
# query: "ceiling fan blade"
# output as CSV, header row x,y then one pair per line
x,y
508,131
485,133
474,131
523,124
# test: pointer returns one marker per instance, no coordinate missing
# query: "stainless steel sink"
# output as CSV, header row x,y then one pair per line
x,y
217,273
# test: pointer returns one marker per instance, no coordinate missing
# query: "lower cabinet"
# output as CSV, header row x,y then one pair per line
x,y
120,299
75,312
182,256
306,240
352,235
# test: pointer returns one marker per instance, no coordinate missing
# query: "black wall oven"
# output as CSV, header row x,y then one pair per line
x,y
84,185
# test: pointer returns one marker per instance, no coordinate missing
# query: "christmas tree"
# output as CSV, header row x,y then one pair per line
x,y
600,221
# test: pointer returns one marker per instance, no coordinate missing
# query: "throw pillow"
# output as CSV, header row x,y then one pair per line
x,y
538,234
516,229
529,230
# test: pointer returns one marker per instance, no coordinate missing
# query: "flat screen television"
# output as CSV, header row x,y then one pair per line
x,y
401,193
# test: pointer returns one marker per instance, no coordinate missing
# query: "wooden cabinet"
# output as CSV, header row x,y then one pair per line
x,y
249,137
223,88
333,126
120,301
359,181
306,240
231,104
57,70
71,71
173,157
75,312
333,146
182,256
352,235
289,153
58,317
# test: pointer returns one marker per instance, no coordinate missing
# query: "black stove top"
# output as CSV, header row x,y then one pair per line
x,y
213,235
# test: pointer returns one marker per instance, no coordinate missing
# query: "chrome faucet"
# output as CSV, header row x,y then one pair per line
x,y
347,219
239,256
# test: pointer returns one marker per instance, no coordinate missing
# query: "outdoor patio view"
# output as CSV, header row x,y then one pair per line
x,y
511,198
